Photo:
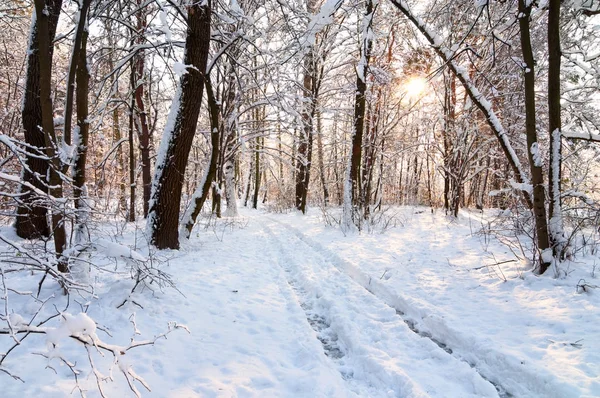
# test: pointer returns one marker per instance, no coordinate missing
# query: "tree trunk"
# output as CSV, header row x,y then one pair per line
x,y
321,160
229,151
203,189
280,154
258,124
537,178
77,45
163,215
248,182
557,239
80,140
31,221
139,87
132,185
359,116
449,129
44,46
304,156
116,123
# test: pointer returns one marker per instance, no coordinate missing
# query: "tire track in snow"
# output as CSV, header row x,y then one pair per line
x,y
324,333
379,354
319,324
506,373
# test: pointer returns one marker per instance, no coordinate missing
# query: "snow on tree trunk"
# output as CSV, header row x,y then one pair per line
x,y
230,196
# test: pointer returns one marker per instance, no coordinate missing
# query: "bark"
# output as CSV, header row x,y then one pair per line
x,y
230,196
557,239
31,221
163,215
265,182
537,178
336,173
44,46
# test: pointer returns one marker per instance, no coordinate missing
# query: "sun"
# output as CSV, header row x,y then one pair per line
x,y
415,86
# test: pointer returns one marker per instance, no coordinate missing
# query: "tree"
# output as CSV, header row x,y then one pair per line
x,y
555,224
80,139
31,221
44,47
533,149
210,174
353,195
176,142
139,87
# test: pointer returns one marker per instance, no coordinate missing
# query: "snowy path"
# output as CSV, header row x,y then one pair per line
x,y
379,349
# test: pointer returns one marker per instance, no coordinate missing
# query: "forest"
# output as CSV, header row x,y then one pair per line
x,y
418,180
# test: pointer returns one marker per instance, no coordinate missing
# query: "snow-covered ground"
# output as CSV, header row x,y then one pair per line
x,y
284,306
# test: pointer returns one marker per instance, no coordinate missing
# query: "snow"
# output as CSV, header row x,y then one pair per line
x,y
112,249
188,215
180,69
536,155
284,306
164,28
321,20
